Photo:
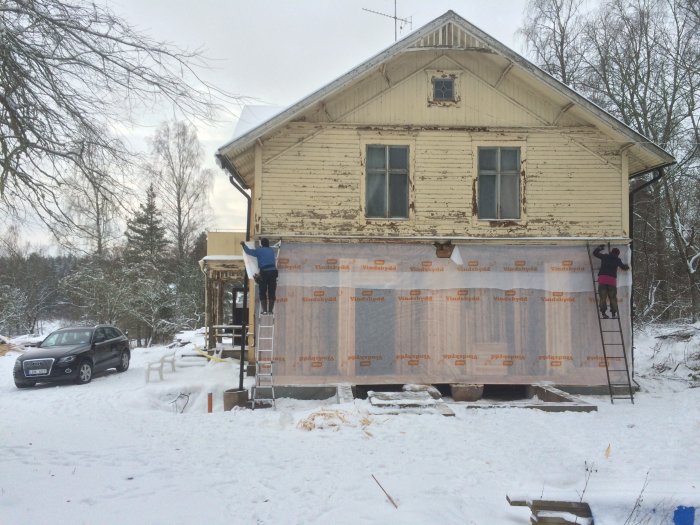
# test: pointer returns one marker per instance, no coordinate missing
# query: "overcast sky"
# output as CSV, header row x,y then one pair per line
x,y
279,51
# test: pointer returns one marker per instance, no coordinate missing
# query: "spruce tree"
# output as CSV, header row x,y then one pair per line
x,y
145,234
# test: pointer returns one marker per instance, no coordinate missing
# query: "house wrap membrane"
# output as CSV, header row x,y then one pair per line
x,y
395,313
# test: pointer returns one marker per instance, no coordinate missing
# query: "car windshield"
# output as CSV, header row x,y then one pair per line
x,y
68,338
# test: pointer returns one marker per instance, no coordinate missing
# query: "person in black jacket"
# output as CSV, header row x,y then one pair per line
x,y
607,279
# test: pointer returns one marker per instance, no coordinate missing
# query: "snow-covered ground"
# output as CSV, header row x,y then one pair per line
x,y
123,450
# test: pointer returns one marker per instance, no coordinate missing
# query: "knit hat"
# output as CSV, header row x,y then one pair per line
x,y
615,252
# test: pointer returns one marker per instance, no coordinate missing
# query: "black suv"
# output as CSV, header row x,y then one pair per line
x,y
73,354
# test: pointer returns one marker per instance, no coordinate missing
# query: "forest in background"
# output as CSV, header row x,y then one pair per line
x,y
136,268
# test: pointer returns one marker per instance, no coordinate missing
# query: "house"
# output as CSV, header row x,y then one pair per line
x,y
224,276
435,206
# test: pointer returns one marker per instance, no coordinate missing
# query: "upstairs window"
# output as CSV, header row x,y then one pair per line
x,y
499,183
387,182
443,89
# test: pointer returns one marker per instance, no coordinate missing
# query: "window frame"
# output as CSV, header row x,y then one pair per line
x,y
99,331
442,74
519,173
387,172
435,81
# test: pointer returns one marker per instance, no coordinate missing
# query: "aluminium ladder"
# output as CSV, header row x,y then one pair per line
x,y
614,351
264,388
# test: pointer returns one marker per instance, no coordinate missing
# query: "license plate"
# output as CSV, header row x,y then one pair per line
x,y
38,371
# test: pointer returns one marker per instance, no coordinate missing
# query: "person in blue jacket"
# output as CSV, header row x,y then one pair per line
x,y
267,278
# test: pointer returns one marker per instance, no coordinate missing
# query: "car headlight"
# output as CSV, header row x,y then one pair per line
x,y
66,360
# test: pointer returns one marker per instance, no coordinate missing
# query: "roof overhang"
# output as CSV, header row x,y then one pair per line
x,y
655,156
225,268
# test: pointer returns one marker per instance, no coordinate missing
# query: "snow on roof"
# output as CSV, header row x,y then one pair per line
x,y
223,258
252,116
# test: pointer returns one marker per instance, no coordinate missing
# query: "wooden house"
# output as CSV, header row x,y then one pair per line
x,y
224,277
435,206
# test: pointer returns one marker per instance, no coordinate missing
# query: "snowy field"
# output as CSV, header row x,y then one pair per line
x,y
125,451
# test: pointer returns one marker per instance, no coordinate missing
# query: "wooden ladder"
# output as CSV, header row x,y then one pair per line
x,y
614,351
264,388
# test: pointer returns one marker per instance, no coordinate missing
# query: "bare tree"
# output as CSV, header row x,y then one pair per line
x,y
27,286
69,73
639,60
90,216
183,185
553,33
100,290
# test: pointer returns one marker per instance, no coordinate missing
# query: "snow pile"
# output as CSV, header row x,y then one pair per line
x,y
126,450
669,355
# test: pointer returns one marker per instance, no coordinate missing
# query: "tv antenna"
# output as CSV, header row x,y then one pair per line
x,y
396,19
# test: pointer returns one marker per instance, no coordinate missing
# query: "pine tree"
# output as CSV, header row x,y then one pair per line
x,y
145,234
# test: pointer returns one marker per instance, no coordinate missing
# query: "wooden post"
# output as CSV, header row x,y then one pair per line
x,y
209,402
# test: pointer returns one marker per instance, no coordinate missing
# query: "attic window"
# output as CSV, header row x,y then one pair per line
x,y
443,89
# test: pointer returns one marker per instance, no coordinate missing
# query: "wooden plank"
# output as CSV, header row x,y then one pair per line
x,y
396,402
581,509
408,399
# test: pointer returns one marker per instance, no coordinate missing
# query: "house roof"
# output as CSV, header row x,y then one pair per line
x,y
452,31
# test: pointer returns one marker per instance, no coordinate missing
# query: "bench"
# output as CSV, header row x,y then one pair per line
x,y
555,512
157,366
214,358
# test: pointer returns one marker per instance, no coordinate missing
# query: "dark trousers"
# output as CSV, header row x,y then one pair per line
x,y
268,289
605,292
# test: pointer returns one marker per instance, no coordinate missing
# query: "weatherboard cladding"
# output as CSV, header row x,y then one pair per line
x,y
311,177
313,184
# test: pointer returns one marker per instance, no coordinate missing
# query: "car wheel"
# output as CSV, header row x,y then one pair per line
x,y
84,373
24,384
123,362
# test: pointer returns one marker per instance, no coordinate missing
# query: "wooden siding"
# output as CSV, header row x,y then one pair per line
x,y
308,177
480,105
394,73
225,243
399,95
452,36
313,183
